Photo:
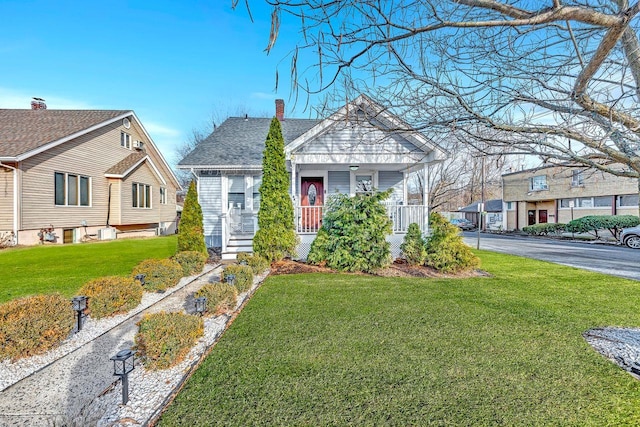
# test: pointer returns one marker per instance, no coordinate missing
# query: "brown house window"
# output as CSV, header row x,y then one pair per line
x,y
72,189
141,195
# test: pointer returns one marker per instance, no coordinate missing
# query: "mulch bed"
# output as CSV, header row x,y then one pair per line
x,y
399,268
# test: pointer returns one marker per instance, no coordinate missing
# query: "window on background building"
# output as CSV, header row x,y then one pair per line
x,y
140,195
630,200
584,202
538,183
163,196
72,189
125,140
236,190
602,202
566,203
510,206
577,179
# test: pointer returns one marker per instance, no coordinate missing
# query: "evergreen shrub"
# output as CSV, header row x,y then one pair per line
x,y
276,237
192,262
160,274
191,229
244,276
445,249
353,234
33,325
257,263
592,224
412,246
164,339
221,297
111,295
545,229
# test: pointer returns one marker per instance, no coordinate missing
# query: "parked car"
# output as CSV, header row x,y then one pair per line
x,y
463,223
631,237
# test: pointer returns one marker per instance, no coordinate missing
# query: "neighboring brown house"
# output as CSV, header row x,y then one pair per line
x,y
557,194
90,174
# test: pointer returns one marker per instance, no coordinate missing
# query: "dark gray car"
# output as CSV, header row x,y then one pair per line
x,y
631,237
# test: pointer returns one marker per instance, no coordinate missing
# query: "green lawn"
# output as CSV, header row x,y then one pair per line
x,y
64,269
324,349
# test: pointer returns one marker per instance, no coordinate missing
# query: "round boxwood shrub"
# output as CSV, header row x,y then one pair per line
x,y
221,297
445,249
112,295
244,276
164,339
257,263
34,325
160,274
192,262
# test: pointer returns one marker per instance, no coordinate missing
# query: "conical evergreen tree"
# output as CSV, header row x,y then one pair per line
x,y
191,232
275,238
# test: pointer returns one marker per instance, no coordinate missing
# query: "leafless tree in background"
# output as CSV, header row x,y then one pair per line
x,y
557,79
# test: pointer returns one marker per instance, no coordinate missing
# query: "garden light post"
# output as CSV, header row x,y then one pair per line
x,y
201,305
231,279
123,363
244,262
79,305
140,277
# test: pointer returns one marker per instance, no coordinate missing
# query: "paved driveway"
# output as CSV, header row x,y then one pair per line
x,y
603,258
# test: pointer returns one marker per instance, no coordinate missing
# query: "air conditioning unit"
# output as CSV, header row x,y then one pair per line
x,y
138,145
160,231
108,233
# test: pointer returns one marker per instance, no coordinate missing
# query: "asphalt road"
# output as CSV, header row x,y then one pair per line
x,y
603,258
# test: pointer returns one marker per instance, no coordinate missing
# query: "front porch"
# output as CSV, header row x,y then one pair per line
x,y
240,227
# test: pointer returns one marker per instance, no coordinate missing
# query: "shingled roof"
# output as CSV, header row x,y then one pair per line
x,y
22,131
239,142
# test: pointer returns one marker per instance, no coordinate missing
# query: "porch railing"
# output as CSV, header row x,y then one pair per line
x,y
308,219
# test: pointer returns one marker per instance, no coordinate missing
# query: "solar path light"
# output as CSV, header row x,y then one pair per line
x,y
123,363
140,277
231,279
79,305
201,305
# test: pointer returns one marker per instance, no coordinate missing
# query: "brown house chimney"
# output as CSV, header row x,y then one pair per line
x,y
38,104
280,109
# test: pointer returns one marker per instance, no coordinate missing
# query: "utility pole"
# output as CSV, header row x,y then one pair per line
x,y
481,204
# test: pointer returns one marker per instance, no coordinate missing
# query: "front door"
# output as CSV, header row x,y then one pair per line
x,y
531,217
311,200
542,216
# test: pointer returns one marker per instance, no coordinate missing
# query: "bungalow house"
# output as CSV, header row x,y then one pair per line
x,y
557,194
359,148
73,175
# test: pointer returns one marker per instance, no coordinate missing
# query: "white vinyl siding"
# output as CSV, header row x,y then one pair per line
x,y
209,192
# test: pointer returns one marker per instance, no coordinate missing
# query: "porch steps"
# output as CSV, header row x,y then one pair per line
x,y
238,243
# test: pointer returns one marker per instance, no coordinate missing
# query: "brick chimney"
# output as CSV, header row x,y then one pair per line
x,y
38,104
280,109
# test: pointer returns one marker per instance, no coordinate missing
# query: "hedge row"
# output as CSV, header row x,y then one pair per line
x,y
545,229
591,224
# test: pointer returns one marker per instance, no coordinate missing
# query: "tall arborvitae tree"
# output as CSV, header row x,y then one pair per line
x,y
191,234
276,236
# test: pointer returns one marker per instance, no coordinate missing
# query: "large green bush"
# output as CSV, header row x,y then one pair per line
x,y
112,295
545,229
160,274
353,234
221,297
191,229
164,339
592,224
34,325
192,262
445,249
276,237
243,273
412,246
257,263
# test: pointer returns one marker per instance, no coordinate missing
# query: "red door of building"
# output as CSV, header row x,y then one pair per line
x,y
311,200
542,216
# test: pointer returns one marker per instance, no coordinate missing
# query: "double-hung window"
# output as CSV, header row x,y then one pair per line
x,y
163,196
125,140
141,195
72,189
577,179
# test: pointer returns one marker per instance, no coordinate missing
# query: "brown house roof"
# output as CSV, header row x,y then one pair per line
x,y
125,164
22,131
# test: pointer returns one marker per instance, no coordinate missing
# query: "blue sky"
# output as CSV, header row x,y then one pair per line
x,y
174,63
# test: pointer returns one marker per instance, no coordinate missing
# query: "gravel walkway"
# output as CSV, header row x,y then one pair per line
x,y
74,384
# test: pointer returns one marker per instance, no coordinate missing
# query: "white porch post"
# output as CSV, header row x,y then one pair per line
x,y
425,196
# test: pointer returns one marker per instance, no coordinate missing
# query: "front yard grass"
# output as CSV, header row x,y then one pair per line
x,y
329,349
65,268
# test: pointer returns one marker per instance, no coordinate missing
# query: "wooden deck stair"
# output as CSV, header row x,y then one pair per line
x,y
238,243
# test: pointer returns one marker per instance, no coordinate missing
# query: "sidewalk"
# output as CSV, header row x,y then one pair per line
x,y
71,391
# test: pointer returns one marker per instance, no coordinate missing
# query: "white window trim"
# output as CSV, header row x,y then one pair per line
x,y
543,187
66,192
128,141
307,174
140,184
352,179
